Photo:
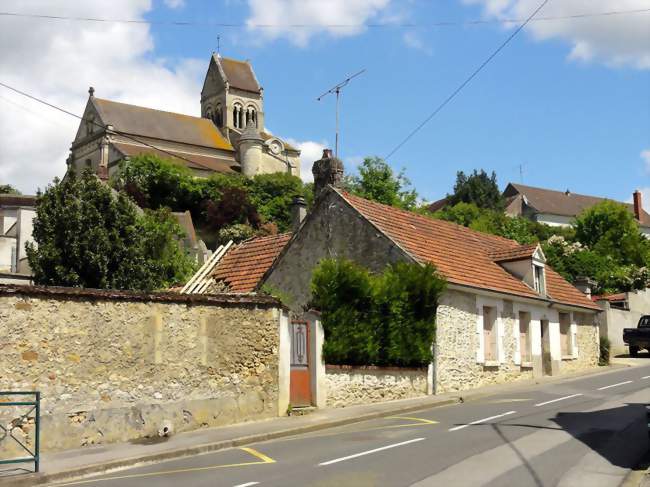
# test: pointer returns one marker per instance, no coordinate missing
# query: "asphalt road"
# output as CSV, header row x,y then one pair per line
x,y
588,431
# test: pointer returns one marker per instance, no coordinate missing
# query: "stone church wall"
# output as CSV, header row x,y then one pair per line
x,y
115,366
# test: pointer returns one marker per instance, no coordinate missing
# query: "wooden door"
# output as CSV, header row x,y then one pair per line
x,y
300,377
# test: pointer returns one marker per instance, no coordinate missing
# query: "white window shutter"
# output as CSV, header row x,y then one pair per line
x,y
574,340
516,335
480,339
501,332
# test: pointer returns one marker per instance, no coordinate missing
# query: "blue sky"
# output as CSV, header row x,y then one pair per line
x,y
567,99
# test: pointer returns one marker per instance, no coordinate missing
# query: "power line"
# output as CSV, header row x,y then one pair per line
x,y
239,25
105,127
467,80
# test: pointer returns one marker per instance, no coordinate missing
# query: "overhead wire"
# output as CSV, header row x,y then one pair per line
x,y
92,121
467,80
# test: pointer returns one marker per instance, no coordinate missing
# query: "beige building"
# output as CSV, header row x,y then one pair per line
x,y
228,137
16,215
622,310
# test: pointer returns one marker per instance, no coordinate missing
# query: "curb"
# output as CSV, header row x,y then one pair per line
x,y
99,468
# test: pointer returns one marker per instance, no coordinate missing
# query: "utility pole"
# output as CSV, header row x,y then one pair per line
x,y
337,90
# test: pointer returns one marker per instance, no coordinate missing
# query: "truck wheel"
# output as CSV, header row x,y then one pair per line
x,y
634,351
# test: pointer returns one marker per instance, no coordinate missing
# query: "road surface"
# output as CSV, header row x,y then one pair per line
x,y
588,431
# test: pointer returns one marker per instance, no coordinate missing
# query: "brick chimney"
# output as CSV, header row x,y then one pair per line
x,y
327,170
636,196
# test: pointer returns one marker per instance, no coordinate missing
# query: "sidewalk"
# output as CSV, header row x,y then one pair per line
x,y
65,465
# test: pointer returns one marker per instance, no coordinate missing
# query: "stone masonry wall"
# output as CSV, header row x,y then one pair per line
x,y
456,345
362,385
588,341
115,368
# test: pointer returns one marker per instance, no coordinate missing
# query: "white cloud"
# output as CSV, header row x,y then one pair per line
x,y
58,60
645,155
413,40
616,40
310,151
175,3
338,18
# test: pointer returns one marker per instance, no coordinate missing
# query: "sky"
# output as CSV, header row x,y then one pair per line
x,y
565,105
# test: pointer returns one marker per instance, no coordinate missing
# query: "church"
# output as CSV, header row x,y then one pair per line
x,y
229,137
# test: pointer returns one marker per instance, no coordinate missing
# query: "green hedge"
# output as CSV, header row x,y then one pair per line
x,y
386,319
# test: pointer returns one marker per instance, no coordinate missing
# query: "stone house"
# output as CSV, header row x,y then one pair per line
x,y
622,310
506,315
228,137
559,208
16,215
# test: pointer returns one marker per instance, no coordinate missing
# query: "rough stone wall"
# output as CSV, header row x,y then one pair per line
x,y
588,341
115,370
456,367
362,385
332,230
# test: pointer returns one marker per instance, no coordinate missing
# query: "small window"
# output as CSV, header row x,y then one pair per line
x,y
539,279
490,333
566,345
89,163
524,337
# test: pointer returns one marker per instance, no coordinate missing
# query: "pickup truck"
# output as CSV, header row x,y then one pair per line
x,y
638,338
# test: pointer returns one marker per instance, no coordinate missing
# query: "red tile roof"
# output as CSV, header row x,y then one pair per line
x,y
245,264
462,255
516,253
610,297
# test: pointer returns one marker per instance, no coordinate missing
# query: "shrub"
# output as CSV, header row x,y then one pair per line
x,y
605,347
385,319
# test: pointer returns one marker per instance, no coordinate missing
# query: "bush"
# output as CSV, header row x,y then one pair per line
x,y
605,347
386,319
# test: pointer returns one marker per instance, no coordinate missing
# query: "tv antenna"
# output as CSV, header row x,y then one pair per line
x,y
337,90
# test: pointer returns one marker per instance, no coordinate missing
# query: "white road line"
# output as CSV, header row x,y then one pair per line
x,y
556,400
342,459
247,484
615,385
646,377
481,421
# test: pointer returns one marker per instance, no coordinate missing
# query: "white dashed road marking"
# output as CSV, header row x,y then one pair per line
x,y
615,385
556,400
248,484
479,421
646,377
356,455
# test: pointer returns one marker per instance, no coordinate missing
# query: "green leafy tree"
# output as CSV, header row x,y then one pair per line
x,y
87,236
272,195
378,182
609,229
385,319
477,188
8,189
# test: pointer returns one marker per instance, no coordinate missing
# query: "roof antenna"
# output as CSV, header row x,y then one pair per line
x,y
219,46
337,89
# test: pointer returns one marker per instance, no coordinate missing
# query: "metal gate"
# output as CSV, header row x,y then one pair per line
x,y
300,378
28,420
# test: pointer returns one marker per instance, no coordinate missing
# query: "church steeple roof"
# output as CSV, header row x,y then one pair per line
x,y
238,74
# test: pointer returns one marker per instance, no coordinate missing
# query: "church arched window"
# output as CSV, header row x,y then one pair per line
x,y
238,116
208,113
251,115
218,116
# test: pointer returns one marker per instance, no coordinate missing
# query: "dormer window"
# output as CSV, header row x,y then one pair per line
x,y
540,285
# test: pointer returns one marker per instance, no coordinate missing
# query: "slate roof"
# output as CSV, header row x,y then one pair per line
x,y
561,203
239,74
242,268
159,124
461,255
193,161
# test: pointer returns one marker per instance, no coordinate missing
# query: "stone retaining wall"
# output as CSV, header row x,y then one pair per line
x,y
348,385
117,366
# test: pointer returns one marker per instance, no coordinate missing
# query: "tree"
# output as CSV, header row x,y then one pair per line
x,y
88,236
609,229
8,189
272,195
378,182
477,188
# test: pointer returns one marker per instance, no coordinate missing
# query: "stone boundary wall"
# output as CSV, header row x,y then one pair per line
x,y
348,385
588,341
118,366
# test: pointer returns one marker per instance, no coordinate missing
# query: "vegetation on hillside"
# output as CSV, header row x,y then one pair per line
x,y
8,189
385,319
223,206
88,236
